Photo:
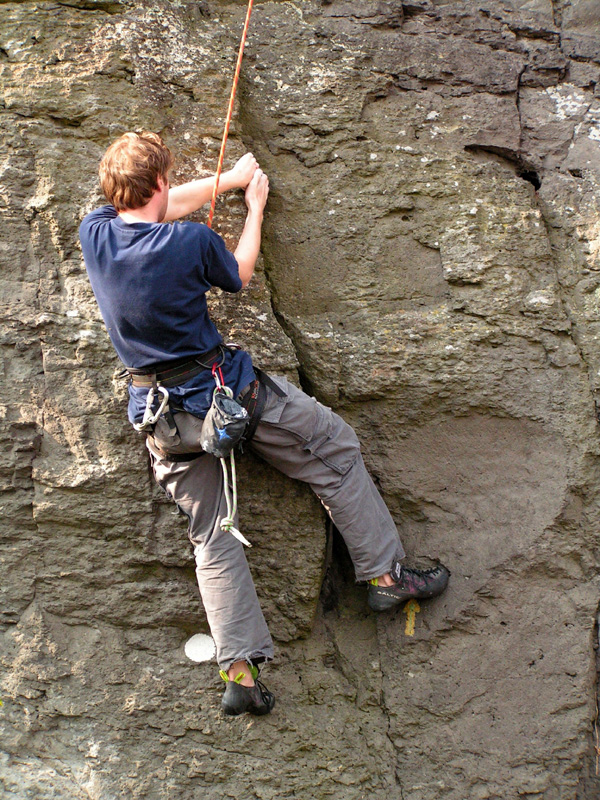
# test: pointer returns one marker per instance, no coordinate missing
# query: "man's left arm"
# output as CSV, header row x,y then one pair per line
x,y
189,197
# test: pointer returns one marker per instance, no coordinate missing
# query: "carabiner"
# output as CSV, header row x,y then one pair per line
x,y
149,417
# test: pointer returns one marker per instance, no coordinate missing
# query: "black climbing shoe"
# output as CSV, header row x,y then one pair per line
x,y
238,699
407,583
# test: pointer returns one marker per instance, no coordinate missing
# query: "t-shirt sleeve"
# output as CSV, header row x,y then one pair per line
x,y
220,266
104,214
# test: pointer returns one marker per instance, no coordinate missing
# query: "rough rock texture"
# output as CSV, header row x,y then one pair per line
x,y
431,270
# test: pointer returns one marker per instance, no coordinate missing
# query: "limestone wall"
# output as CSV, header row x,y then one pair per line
x,y
431,269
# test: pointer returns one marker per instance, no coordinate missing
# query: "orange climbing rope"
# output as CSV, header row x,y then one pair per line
x,y
229,114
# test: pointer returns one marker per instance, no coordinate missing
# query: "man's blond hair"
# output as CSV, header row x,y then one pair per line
x,y
131,167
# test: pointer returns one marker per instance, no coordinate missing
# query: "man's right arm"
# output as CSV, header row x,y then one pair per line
x,y
248,247
191,196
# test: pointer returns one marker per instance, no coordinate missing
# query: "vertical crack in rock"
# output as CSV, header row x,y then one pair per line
x,y
354,651
556,238
557,11
386,710
38,451
565,292
589,784
595,750
23,392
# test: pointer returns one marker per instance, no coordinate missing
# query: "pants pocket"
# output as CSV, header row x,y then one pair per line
x,y
187,439
308,428
333,441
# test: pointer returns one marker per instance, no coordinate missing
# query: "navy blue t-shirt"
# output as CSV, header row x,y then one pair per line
x,y
150,280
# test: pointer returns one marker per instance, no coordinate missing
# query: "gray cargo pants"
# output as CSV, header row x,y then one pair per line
x,y
304,440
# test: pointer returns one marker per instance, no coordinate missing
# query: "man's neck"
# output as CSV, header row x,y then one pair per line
x,y
143,214
155,208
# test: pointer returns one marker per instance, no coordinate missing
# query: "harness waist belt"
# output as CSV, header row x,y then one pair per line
x,y
176,374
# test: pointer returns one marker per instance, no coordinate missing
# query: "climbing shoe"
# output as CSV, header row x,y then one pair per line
x,y
238,699
419,583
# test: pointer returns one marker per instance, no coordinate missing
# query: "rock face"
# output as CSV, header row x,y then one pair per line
x,y
432,270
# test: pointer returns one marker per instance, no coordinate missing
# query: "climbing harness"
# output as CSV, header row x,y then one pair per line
x,y
236,77
160,378
174,373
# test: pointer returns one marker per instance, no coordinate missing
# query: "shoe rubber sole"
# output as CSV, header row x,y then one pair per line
x,y
381,601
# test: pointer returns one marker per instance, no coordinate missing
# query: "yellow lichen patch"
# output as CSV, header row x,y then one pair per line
x,y
411,609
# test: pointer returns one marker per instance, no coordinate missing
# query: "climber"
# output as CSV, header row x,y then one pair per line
x,y
150,280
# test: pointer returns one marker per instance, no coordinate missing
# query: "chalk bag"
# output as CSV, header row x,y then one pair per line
x,y
224,425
